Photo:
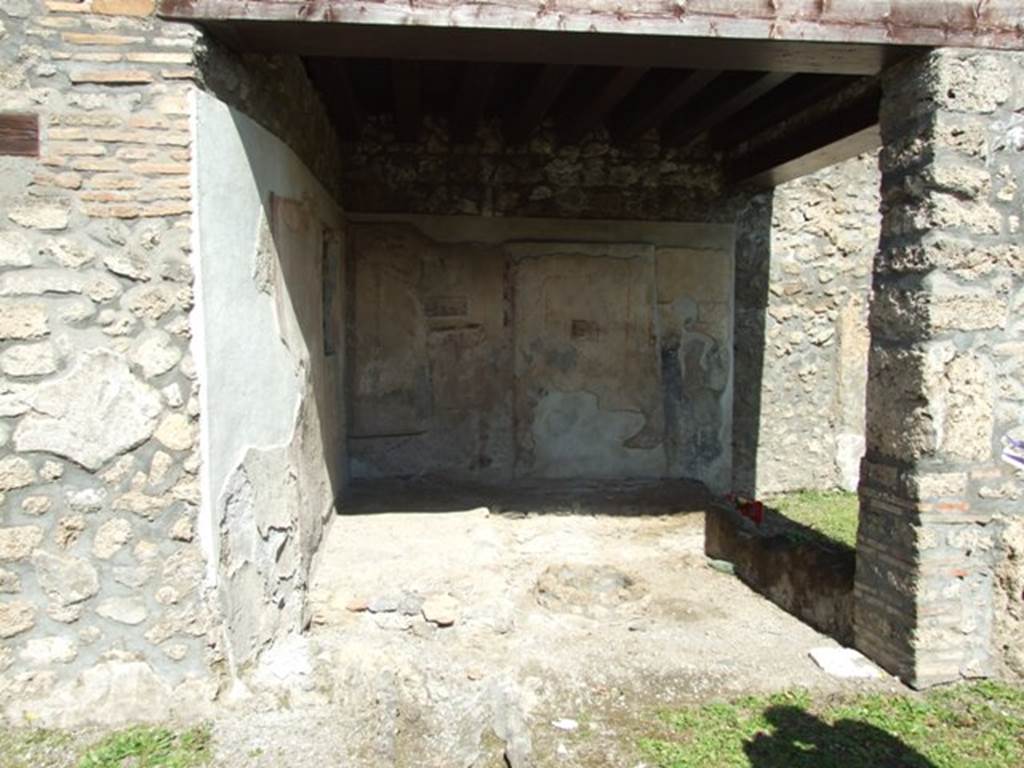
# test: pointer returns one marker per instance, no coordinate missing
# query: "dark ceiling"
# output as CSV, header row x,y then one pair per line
x,y
784,115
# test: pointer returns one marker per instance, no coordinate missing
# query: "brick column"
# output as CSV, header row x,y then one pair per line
x,y
944,385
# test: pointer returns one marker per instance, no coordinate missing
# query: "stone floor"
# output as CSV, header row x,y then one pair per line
x,y
588,606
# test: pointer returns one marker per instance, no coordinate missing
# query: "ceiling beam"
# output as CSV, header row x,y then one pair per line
x,y
633,124
522,120
993,23
573,127
694,119
474,86
792,97
332,81
835,136
545,47
405,80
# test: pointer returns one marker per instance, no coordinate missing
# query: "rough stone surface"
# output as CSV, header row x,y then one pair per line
x,y
803,272
66,579
17,543
16,616
96,411
938,596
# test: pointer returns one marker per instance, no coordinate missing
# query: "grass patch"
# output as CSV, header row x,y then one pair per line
x,y
833,514
147,747
36,747
979,725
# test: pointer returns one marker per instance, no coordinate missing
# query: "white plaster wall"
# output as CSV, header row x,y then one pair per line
x,y
270,426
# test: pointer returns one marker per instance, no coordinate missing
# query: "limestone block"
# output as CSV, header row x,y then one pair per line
x,y
37,359
124,610
23,321
16,616
95,411
17,542
66,580
110,537
176,431
44,651
15,472
34,282
10,582
155,352
15,250
41,216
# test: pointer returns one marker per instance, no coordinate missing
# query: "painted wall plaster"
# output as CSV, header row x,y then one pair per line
x,y
272,426
493,349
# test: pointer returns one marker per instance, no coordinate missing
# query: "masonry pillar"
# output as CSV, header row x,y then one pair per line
x,y
945,372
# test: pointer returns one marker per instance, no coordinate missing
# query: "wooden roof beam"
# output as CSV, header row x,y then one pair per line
x,y
790,98
693,120
631,125
838,135
617,87
332,81
405,79
522,121
474,86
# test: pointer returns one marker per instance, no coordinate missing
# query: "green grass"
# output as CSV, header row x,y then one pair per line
x,y
141,747
833,514
979,725
150,748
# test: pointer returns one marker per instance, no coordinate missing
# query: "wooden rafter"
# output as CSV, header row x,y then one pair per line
x,y
732,97
525,118
331,78
635,123
405,79
573,127
790,98
834,136
471,100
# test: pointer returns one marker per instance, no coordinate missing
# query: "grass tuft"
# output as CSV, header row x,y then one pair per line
x,y
833,514
150,747
979,725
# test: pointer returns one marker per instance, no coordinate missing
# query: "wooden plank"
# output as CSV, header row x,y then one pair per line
x,y
331,79
405,79
19,134
634,124
574,127
693,120
790,98
523,120
474,87
838,135
545,47
989,24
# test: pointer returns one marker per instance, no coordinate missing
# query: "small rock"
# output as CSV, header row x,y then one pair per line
x,y
410,604
44,651
357,605
723,566
442,610
844,663
639,625
565,724
16,617
126,610
384,604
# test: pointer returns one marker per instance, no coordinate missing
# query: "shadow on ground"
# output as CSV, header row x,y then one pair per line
x,y
801,740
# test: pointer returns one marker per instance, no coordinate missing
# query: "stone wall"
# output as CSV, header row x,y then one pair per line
x,y
493,349
103,615
939,562
540,178
803,276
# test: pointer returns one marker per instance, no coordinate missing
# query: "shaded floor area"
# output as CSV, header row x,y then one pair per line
x,y
592,606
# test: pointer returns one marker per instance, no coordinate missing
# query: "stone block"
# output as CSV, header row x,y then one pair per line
x,y
96,411
23,321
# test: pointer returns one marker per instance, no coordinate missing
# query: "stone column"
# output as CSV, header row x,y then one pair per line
x,y
947,351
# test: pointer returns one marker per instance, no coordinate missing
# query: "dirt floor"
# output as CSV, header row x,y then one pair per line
x,y
573,615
